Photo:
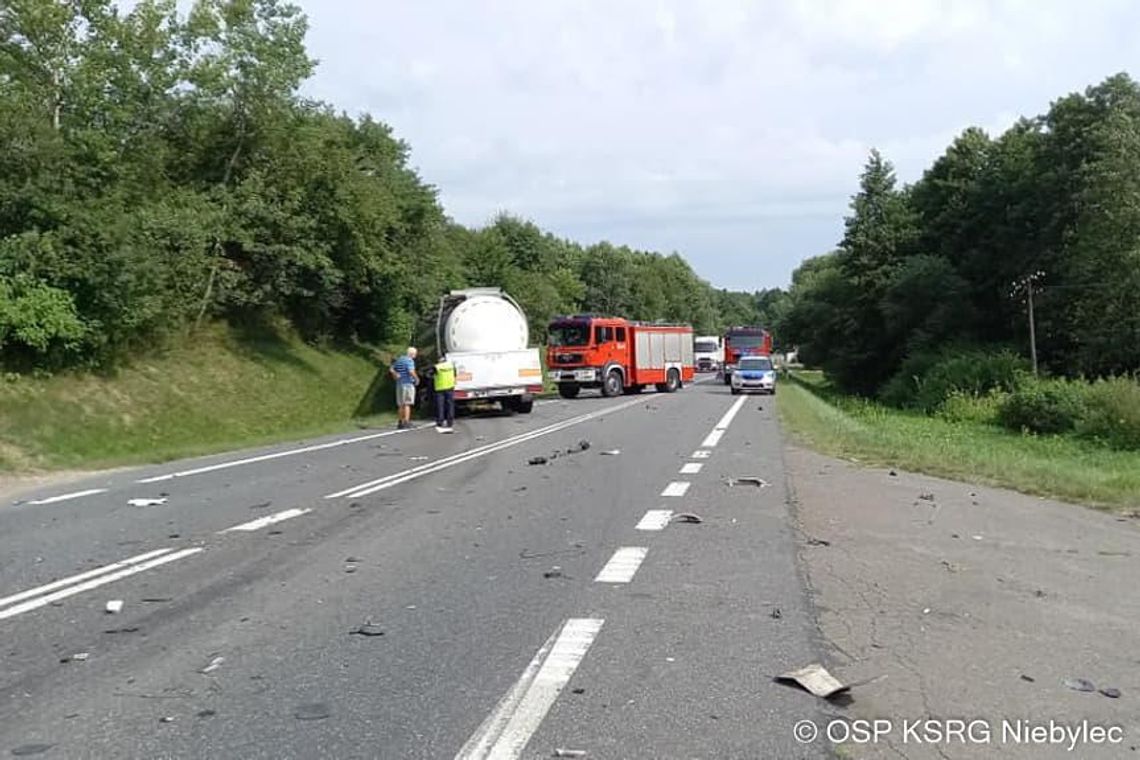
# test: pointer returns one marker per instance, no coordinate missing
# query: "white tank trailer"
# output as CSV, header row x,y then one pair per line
x,y
483,332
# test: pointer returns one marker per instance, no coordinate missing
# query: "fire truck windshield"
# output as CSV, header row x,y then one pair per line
x,y
745,341
569,334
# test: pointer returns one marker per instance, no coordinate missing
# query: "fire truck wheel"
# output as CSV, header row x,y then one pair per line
x,y
568,390
612,385
672,382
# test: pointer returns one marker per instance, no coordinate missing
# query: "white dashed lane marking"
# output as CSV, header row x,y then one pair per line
x,y
623,565
655,519
676,488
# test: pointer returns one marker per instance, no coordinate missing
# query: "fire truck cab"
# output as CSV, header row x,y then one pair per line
x,y
617,355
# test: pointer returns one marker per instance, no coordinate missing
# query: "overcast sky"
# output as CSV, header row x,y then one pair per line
x,y
732,132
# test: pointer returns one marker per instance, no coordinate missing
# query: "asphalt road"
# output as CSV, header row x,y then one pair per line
x,y
415,595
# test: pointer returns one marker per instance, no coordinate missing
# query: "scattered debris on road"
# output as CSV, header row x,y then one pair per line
x,y
312,711
77,657
367,628
27,750
815,679
537,460
776,614
418,459
166,719
578,690
215,663
146,502
1028,679
893,474
131,629
583,445
952,567
926,496
1079,684
350,569
611,453
554,572
520,489
1111,693
560,752
686,517
813,541
157,599
114,607
262,505
207,713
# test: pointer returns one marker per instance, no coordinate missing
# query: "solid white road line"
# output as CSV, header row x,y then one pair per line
x,y
676,488
262,522
506,731
726,420
80,577
702,454
96,582
712,439
655,519
66,496
623,565
395,479
691,468
268,457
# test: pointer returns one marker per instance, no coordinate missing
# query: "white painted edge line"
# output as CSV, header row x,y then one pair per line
x,y
712,439
506,731
66,496
395,479
268,457
655,519
676,488
702,454
268,520
80,577
691,468
96,582
726,420
623,565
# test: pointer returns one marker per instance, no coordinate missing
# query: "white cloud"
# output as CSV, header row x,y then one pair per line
x,y
658,122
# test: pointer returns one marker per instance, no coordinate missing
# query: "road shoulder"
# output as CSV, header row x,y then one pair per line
x,y
974,602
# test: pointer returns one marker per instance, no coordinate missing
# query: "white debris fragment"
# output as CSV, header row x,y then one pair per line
x,y
114,606
611,453
214,665
146,502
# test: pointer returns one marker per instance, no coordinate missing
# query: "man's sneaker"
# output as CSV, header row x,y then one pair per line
x,y
446,429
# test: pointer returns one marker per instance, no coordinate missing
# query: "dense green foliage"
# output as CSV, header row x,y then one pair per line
x,y
1043,406
935,264
159,170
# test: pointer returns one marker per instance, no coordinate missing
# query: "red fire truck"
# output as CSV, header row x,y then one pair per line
x,y
617,355
744,341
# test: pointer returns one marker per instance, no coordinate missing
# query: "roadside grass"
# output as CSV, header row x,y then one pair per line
x,y
1053,466
226,389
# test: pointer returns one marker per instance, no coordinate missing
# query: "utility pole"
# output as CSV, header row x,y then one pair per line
x,y
1027,284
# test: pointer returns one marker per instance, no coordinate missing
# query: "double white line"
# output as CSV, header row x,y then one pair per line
x,y
388,481
35,598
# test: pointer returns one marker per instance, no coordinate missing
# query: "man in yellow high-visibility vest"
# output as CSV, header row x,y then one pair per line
x,y
444,384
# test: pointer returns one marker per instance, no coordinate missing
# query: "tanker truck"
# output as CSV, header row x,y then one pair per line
x,y
484,333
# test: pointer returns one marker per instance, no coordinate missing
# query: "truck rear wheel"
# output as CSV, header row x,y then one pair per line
x,y
568,390
524,404
672,382
612,385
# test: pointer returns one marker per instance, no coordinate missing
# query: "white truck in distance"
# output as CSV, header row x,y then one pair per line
x,y
484,333
708,352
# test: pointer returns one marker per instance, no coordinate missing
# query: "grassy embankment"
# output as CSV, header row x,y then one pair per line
x,y
1058,467
222,391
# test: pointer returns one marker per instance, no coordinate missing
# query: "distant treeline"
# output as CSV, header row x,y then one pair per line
x,y
943,267
159,169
